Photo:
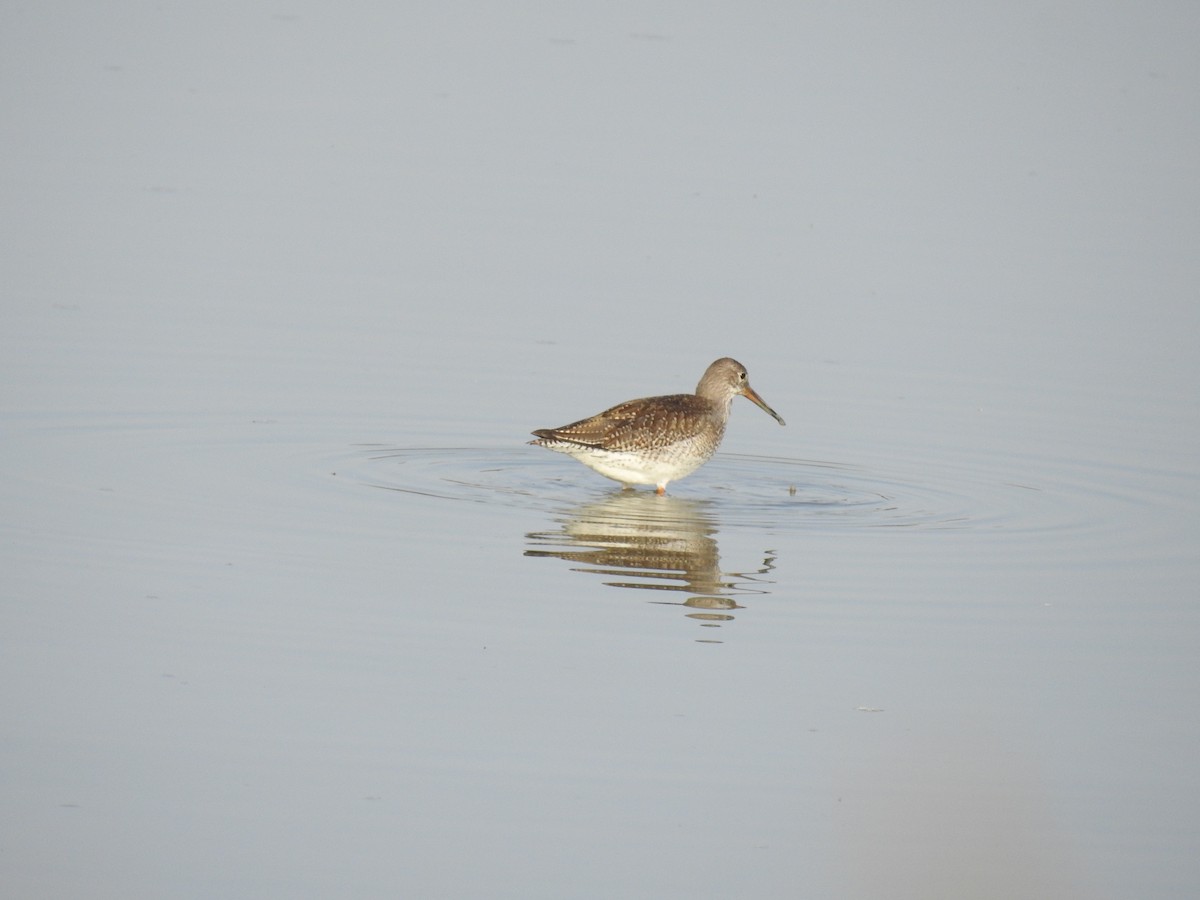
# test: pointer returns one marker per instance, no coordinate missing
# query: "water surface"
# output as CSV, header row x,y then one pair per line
x,y
291,610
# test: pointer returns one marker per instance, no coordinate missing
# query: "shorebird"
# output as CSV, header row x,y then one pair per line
x,y
656,440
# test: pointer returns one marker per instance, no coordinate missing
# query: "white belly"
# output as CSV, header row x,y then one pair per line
x,y
633,468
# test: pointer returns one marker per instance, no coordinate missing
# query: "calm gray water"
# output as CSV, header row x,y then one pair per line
x,y
289,608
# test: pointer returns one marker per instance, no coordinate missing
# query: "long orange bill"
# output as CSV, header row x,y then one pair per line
x,y
748,393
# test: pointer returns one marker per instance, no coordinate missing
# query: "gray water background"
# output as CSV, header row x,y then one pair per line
x,y
290,610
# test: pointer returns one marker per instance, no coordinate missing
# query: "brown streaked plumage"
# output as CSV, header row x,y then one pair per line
x,y
655,440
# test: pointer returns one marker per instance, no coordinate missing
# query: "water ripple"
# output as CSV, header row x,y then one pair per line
x,y
1010,496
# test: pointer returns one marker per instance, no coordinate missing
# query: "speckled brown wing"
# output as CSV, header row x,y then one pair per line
x,y
638,424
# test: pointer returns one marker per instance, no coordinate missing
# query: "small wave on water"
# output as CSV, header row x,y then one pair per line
x,y
747,491
1075,509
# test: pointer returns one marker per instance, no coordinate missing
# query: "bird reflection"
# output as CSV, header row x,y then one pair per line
x,y
654,543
